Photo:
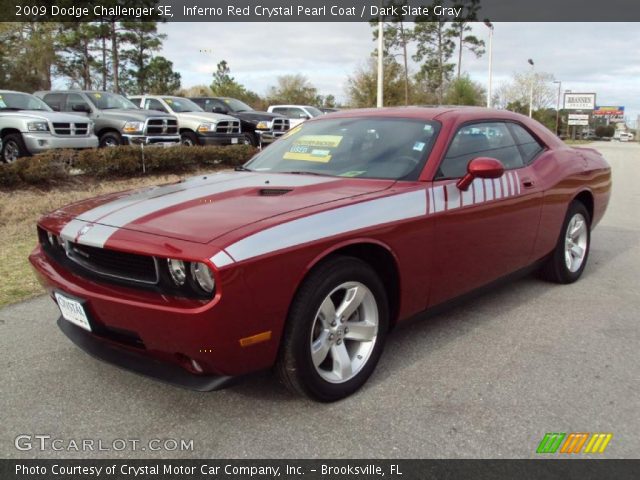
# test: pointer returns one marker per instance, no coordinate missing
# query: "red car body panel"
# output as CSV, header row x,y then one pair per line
x,y
443,242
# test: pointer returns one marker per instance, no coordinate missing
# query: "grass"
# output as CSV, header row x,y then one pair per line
x,y
19,212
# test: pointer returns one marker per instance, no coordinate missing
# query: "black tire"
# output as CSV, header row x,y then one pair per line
x,y
189,139
556,268
295,365
13,147
251,139
110,139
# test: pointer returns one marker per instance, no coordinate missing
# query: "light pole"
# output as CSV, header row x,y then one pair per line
x,y
558,106
490,25
531,90
380,101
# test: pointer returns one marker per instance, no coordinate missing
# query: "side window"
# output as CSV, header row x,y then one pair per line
x,y
154,104
480,140
297,113
281,111
54,100
219,104
76,100
529,146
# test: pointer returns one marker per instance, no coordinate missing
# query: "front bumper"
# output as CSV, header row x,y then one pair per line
x,y
163,336
38,142
138,363
151,140
268,136
221,139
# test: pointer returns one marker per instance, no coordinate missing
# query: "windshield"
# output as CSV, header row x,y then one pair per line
x,y
236,105
109,101
390,148
181,105
313,111
22,101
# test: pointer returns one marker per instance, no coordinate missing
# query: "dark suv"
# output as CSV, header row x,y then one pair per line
x,y
260,128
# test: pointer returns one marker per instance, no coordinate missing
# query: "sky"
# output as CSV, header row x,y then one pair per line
x,y
586,57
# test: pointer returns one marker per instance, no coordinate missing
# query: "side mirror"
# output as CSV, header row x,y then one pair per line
x,y
481,167
80,107
304,116
220,110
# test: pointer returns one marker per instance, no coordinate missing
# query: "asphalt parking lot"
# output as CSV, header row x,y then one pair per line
x,y
485,380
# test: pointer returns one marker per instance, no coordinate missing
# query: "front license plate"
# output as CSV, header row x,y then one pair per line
x,y
234,140
73,311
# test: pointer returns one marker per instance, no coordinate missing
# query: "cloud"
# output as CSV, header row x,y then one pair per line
x,y
599,57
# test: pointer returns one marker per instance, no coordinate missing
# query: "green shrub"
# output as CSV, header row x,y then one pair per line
x,y
57,166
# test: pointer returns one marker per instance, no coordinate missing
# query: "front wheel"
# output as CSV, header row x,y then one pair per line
x,y
110,139
569,258
336,330
189,139
13,147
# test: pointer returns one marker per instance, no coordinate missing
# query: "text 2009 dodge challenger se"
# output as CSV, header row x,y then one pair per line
x,y
306,256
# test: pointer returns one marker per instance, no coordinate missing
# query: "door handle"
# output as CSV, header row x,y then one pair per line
x,y
528,183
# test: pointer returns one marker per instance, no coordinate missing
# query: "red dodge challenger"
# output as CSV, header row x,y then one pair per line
x,y
305,257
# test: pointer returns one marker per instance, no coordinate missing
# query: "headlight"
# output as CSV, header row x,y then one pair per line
x,y
203,276
91,127
38,126
177,271
207,127
263,125
133,127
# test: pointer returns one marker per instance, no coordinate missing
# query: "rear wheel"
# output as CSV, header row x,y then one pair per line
x,y
251,139
13,147
569,258
336,330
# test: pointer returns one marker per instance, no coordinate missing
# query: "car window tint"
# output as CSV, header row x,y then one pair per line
x,y
529,146
74,99
479,140
154,104
281,111
362,147
54,100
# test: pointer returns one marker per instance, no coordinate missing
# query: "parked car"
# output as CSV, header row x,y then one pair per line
x,y
307,255
328,109
196,126
117,120
28,126
260,128
296,113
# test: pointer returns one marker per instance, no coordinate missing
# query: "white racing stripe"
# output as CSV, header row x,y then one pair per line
x,y
117,214
333,222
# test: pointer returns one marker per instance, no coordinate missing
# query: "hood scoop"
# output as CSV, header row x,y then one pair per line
x,y
273,192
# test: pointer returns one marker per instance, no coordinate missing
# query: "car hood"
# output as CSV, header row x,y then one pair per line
x,y
201,209
132,115
204,116
42,114
257,116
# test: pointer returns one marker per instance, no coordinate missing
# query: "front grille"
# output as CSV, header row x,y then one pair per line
x,y
228,127
162,126
71,129
111,263
280,124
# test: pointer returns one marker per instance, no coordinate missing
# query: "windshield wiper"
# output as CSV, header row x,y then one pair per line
x,y
241,168
13,109
303,172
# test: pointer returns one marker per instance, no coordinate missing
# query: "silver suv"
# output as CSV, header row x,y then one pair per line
x,y
28,126
117,120
197,127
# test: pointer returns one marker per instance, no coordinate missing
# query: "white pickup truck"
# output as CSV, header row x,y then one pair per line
x,y
28,126
295,113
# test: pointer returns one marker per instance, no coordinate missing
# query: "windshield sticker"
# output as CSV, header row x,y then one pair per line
x,y
169,101
97,95
326,141
355,173
303,153
418,146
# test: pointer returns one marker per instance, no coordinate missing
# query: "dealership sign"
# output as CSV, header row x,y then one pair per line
x,y
578,119
614,114
579,101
